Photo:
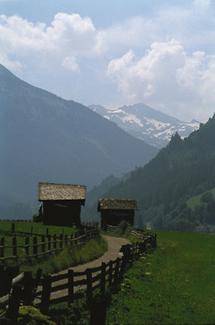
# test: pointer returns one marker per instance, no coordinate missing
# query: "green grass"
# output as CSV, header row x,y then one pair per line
x,y
74,314
195,201
174,285
68,257
27,226
22,226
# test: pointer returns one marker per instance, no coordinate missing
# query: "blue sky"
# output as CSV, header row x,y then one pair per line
x,y
117,52
102,12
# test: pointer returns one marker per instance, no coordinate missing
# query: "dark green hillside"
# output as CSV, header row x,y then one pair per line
x,y
181,170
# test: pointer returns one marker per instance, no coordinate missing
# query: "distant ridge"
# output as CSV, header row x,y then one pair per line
x,y
146,123
46,138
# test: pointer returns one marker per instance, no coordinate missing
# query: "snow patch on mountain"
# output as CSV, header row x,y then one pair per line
x,y
146,123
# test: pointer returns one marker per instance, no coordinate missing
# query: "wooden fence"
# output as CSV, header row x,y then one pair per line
x,y
12,228
65,287
38,246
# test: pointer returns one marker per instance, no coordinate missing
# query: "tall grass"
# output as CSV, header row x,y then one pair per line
x,y
70,256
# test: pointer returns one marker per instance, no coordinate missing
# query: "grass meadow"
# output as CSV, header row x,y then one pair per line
x,y
27,226
68,257
174,285
35,227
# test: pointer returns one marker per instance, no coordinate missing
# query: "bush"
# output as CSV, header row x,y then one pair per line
x,y
32,316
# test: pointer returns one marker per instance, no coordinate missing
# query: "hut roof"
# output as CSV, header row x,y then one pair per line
x,y
64,192
117,204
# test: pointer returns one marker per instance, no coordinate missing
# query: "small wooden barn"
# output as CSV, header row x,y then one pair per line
x,y
113,211
61,203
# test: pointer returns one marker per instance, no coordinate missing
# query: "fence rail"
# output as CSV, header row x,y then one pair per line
x,y
65,287
39,246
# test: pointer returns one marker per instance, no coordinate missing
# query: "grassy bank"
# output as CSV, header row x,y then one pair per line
x,y
174,285
70,256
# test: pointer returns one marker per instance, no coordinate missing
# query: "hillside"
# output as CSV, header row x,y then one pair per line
x,y
46,138
181,170
146,123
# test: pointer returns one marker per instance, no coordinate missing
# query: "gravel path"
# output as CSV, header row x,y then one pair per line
x,y
113,251
114,245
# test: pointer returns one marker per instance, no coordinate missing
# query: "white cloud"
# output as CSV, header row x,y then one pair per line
x,y
66,37
202,4
165,59
167,77
133,32
70,63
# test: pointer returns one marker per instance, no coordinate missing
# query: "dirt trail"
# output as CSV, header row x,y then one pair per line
x,y
113,251
114,245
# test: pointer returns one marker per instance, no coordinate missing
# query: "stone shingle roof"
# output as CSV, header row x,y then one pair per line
x,y
58,192
117,204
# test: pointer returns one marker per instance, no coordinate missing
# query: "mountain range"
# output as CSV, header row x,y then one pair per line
x,y
46,138
146,123
175,190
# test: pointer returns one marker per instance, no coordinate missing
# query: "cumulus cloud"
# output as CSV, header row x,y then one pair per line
x,y
66,37
167,77
165,59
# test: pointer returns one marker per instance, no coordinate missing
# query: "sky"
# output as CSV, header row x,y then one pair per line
x,y
114,53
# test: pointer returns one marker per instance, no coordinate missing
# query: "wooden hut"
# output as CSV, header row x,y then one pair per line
x,y
61,203
113,211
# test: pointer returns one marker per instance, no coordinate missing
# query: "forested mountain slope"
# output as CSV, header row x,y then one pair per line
x,y
162,187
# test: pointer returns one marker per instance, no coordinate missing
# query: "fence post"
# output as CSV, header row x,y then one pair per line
x,y
89,285
35,246
65,240
27,246
49,242
98,311
46,293
71,240
43,244
14,246
2,247
28,282
155,241
116,274
14,303
110,274
13,227
122,267
71,285
61,241
103,279
55,241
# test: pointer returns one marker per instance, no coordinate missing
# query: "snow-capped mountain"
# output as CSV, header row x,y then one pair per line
x,y
146,123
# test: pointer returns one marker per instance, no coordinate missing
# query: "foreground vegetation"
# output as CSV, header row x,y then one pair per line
x,y
174,285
